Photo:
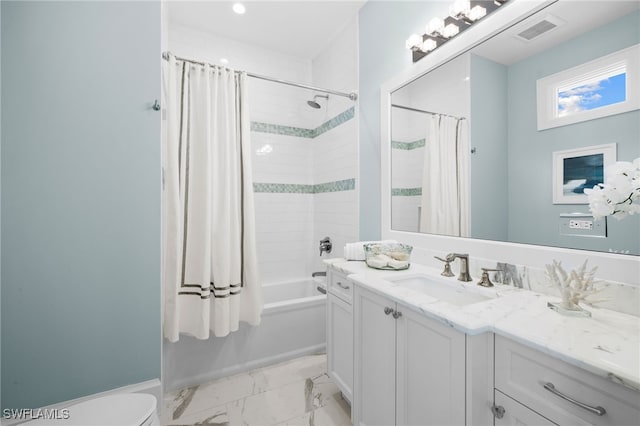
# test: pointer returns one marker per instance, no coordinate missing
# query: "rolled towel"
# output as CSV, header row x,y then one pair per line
x,y
398,264
379,261
355,251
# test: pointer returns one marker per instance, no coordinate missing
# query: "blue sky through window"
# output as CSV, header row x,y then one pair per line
x,y
607,91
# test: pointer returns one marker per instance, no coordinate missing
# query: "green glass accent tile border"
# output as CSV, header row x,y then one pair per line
x,y
294,188
407,146
301,132
339,119
282,188
277,129
339,185
406,192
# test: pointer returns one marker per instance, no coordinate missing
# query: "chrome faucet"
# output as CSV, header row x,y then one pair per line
x,y
464,265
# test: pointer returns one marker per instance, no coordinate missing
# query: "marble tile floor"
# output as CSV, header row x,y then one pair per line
x,y
292,393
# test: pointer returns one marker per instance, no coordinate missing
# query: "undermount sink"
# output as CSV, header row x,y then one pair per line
x,y
454,293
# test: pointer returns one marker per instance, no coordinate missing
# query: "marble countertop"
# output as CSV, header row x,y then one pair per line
x,y
606,344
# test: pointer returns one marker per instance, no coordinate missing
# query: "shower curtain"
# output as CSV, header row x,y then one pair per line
x,y
210,274
445,178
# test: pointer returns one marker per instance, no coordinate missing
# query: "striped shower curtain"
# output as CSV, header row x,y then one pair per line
x,y
210,274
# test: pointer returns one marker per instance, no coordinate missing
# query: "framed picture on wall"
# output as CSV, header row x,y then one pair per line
x,y
577,169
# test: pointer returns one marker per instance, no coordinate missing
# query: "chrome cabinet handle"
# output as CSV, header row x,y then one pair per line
x,y
397,314
346,287
387,310
598,411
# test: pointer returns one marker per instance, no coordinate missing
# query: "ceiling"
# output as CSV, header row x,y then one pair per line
x,y
577,17
300,28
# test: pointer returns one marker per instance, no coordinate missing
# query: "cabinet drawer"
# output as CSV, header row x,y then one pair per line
x,y
341,286
522,373
516,414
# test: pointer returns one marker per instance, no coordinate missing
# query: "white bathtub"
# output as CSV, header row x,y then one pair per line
x,y
293,324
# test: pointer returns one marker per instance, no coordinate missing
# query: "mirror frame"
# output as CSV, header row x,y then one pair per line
x,y
614,267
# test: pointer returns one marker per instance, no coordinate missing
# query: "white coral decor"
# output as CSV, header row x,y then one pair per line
x,y
575,286
620,195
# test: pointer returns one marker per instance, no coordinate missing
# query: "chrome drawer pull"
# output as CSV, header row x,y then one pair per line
x,y
598,411
397,314
346,287
387,310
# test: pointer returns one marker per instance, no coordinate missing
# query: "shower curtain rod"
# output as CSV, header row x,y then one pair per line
x,y
353,96
426,112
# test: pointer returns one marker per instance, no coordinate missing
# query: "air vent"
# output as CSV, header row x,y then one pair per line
x,y
548,23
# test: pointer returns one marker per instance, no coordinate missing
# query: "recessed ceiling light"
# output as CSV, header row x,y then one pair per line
x,y
224,61
239,8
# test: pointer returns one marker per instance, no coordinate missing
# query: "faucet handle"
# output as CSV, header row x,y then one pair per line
x,y
485,281
447,267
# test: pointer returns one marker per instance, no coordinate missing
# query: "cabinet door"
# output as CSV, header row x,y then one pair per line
x,y
516,414
340,344
374,361
430,372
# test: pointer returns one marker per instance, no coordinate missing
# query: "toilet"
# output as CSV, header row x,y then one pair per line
x,y
126,409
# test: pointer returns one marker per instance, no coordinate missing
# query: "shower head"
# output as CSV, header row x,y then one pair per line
x,y
314,104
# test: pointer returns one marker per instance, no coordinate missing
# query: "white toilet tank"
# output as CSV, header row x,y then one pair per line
x,y
126,409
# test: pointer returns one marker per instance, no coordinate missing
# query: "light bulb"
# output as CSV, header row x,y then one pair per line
x,y
459,8
428,45
435,26
413,42
239,8
476,13
450,30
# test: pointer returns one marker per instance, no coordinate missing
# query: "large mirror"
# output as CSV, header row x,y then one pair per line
x,y
472,156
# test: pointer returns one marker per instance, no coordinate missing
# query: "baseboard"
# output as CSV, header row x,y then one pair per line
x,y
251,365
152,387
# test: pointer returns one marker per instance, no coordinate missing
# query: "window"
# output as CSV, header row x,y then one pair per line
x,y
603,87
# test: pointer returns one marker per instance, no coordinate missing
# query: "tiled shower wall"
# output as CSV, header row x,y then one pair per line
x,y
304,159
335,153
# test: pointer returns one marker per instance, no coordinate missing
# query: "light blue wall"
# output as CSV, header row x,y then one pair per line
x,y
489,118
383,28
80,198
533,218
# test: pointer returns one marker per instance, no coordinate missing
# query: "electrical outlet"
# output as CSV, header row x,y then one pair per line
x,y
582,225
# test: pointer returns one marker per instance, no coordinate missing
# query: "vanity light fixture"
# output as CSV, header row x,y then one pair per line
x,y
462,15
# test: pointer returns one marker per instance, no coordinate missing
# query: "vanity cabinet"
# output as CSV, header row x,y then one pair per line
x,y
559,391
340,332
409,370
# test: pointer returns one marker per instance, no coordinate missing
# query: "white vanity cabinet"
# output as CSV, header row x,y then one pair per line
x,y
409,370
340,332
558,391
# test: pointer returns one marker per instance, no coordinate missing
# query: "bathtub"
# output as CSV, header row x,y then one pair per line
x,y
293,324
